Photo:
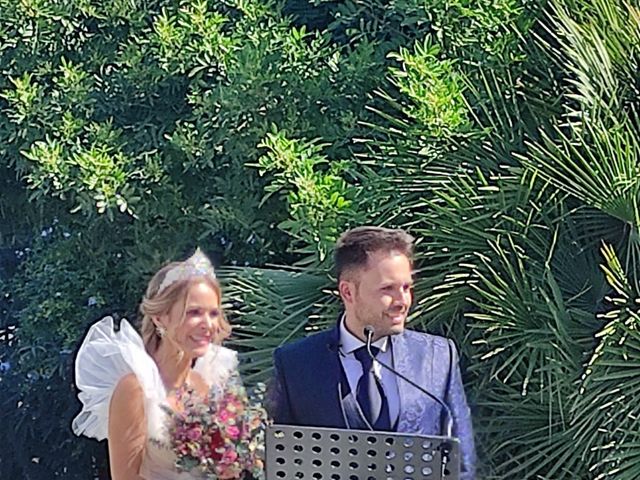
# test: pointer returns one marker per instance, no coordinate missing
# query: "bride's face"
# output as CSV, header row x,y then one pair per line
x,y
201,321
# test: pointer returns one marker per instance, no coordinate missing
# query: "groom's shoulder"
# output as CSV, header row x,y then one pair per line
x,y
425,340
303,346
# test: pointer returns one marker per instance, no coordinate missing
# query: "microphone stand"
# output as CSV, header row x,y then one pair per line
x,y
445,447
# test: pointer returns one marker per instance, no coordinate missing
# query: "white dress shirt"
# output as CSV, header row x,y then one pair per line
x,y
349,343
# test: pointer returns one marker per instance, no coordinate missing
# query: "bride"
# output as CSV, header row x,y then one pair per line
x,y
128,382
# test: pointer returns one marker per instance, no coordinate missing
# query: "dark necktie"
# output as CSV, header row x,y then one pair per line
x,y
382,422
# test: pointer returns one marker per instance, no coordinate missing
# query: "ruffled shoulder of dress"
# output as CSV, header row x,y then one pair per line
x,y
217,365
104,358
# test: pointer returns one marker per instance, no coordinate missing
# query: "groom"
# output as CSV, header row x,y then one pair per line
x,y
329,380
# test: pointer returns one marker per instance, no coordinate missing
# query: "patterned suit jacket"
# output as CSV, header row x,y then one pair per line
x,y
306,387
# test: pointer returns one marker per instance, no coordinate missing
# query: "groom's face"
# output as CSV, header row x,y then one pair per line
x,y
379,294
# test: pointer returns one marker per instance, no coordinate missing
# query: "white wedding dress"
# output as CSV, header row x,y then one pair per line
x,y
105,356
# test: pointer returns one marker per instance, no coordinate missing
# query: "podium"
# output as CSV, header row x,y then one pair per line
x,y
294,452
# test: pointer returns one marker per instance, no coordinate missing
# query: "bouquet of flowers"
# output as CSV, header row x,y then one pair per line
x,y
221,438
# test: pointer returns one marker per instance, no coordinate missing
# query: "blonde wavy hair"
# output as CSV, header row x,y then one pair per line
x,y
155,304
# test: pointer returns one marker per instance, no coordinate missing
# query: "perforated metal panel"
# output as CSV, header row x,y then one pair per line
x,y
329,454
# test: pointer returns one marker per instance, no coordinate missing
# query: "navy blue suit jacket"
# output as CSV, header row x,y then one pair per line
x,y
308,371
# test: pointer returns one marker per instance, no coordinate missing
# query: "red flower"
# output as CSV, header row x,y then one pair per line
x,y
215,444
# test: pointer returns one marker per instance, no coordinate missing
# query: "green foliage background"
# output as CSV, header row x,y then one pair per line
x,y
503,135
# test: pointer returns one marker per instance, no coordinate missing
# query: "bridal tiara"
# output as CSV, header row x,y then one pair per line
x,y
198,265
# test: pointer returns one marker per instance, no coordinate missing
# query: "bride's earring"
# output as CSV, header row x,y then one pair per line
x,y
161,331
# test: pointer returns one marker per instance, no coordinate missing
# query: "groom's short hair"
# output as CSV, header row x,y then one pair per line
x,y
354,246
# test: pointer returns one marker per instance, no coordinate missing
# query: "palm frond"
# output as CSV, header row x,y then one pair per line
x,y
274,306
608,434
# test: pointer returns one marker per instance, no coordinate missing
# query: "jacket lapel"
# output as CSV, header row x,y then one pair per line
x,y
402,365
409,362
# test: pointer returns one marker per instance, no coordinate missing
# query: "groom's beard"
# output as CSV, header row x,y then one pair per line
x,y
387,322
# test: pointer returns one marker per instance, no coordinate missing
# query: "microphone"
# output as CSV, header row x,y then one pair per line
x,y
369,331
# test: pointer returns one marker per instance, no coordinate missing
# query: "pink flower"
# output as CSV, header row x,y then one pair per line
x,y
233,432
224,415
229,456
194,433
